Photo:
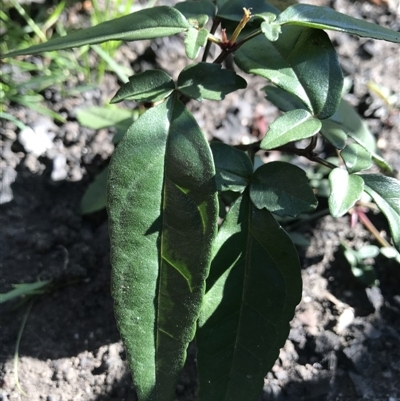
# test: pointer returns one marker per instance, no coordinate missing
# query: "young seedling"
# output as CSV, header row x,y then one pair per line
x,y
176,276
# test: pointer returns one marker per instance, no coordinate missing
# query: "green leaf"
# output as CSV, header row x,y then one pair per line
x,y
368,251
282,188
333,133
195,39
354,126
149,23
95,197
233,9
346,190
356,158
285,101
96,117
302,61
385,191
269,27
209,81
162,209
233,167
192,9
271,30
327,18
365,274
292,126
253,288
299,239
25,289
220,3
390,253
148,86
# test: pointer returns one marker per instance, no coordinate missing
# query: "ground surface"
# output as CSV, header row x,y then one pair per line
x,y
344,342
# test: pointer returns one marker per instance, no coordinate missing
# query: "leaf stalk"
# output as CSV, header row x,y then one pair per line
x,y
371,228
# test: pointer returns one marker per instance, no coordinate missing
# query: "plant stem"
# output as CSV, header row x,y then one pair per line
x,y
214,27
307,152
240,27
312,145
29,20
16,354
231,45
235,46
249,37
372,229
308,219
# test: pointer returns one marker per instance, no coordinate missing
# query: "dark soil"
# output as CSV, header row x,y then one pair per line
x,y
344,342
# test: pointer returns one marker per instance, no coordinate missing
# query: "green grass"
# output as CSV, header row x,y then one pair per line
x,y
23,81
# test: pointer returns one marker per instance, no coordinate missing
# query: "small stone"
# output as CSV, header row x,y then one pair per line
x,y
32,163
288,352
281,375
71,131
8,177
75,174
3,396
375,297
59,168
272,390
38,139
303,372
345,319
317,366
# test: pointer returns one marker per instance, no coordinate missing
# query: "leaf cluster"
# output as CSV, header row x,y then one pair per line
x,y
178,274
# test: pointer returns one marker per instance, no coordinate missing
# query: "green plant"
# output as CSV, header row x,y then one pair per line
x,y
28,292
176,276
24,81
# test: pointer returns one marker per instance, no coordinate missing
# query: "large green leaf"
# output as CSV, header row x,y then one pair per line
x,y
282,188
162,208
302,61
356,158
220,3
327,18
385,191
292,126
148,86
282,99
194,8
208,81
233,167
253,288
233,9
346,190
149,23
